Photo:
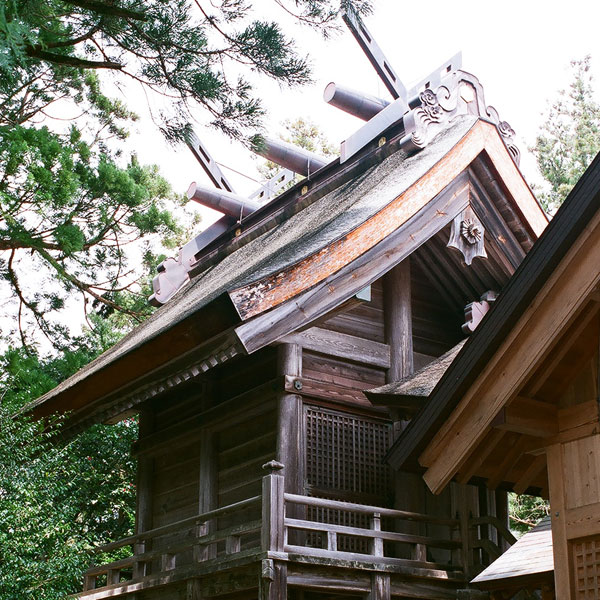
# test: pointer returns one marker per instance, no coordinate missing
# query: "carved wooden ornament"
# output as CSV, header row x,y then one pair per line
x,y
475,311
467,235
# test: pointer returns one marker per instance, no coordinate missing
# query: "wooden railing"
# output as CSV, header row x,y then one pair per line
x,y
375,535
196,535
491,535
199,541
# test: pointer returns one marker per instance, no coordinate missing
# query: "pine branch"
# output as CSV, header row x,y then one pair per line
x,y
112,10
72,61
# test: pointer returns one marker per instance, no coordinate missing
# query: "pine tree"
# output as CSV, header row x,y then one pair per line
x,y
570,137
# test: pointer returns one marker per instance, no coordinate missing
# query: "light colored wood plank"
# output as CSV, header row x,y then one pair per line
x,y
558,355
580,414
529,417
533,470
556,483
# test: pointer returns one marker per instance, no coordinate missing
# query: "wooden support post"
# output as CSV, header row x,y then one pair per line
x,y
502,514
140,568
145,477
89,582
397,299
376,542
145,471
273,509
460,509
208,493
380,587
332,541
398,321
193,590
290,432
560,548
273,580
113,576
290,440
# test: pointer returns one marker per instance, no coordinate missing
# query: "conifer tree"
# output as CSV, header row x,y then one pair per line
x,y
569,138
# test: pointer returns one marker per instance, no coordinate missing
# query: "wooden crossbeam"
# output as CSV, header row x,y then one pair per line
x,y
528,416
471,467
509,460
341,345
531,472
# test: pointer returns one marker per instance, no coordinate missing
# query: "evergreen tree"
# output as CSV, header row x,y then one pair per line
x,y
58,498
70,205
570,137
177,48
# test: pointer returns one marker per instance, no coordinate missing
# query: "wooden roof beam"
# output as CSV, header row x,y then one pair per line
x,y
563,345
272,290
538,464
529,417
508,462
471,468
313,303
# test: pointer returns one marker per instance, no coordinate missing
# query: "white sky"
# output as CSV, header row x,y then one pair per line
x,y
519,50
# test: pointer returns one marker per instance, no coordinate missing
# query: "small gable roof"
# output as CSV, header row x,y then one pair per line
x,y
529,561
409,394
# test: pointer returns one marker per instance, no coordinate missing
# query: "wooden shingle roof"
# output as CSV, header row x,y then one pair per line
x,y
528,562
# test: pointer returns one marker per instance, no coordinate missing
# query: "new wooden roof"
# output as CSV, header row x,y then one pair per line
x,y
304,254
529,562
498,402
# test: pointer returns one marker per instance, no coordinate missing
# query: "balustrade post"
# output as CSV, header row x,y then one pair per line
x,y
113,576
376,542
139,566
273,509
89,582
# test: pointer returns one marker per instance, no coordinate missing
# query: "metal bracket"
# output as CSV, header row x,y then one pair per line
x,y
272,187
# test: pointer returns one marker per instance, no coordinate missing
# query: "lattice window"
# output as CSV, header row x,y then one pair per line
x,y
344,453
586,568
344,461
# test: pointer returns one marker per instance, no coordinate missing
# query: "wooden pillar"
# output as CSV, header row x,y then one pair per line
x,y
193,590
290,438
502,514
273,576
207,497
462,501
380,587
409,493
273,580
560,548
145,471
398,321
